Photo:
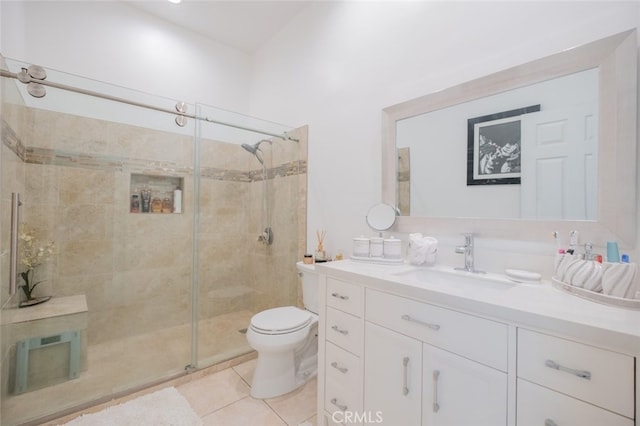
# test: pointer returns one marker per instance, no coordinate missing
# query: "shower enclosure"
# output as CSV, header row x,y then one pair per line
x,y
138,297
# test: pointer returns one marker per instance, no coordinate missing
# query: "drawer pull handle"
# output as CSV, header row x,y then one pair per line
x,y
339,296
340,369
435,327
549,422
339,330
342,407
436,376
405,364
580,373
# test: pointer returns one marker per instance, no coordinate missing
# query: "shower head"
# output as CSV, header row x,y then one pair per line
x,y
255,149
251,148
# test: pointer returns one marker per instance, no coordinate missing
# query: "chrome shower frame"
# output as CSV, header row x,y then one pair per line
x,y
34,77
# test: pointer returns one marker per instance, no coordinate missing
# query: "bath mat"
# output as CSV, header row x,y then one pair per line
x,y
165,407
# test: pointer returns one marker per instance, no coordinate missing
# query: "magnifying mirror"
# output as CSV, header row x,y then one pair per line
x,y
381,217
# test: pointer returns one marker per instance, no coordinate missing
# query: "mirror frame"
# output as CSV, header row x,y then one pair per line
x,y
616,58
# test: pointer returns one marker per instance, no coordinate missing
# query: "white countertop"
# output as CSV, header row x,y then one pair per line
x,y
537,305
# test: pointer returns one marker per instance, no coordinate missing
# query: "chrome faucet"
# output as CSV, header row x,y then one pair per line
x,y
467,250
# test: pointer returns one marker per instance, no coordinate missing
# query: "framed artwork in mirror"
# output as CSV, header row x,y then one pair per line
x,y
494,147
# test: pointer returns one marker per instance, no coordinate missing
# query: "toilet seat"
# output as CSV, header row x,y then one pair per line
x,y
283,320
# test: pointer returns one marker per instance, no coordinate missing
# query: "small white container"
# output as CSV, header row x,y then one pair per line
x,y
392,248
376,249
361,247
177,200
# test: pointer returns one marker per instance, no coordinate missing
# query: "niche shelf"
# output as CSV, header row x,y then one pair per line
x,y
155,194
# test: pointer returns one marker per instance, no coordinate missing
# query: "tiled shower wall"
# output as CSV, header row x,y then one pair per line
x,y
135,269
238,272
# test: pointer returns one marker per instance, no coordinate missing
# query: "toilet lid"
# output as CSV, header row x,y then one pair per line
x,y
280,320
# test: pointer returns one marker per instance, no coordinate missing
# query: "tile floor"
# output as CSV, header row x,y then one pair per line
x,y
221,398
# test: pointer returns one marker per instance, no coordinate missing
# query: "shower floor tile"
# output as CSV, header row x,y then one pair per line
x,y
116,366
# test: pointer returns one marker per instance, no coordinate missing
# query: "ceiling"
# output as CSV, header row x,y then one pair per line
x,y
244,25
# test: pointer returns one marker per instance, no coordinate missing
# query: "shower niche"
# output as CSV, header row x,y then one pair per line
x,y
155,194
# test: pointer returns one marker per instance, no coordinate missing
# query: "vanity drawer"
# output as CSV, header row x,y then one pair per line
x,y
345,296
328,419
594,375
541,406
341,399
343,368
344,330
472,337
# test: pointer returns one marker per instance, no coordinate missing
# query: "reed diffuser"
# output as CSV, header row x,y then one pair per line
x,y
320,255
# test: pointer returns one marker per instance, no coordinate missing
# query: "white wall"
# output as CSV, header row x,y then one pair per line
x,y
334,67
116,43
338,64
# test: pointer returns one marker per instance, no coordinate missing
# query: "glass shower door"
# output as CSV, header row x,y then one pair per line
x,y
248,233
121,275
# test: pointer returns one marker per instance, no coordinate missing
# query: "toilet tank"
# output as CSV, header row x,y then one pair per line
x,y
309,286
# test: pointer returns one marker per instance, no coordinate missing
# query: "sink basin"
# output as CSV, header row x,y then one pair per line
x,y
443,275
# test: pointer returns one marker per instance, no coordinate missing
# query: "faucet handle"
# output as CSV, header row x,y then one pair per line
x,y
468,237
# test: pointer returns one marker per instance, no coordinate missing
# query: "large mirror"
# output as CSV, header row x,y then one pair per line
x,y
551,142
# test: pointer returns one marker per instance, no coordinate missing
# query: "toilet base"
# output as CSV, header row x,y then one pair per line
x,y
285,362
274,375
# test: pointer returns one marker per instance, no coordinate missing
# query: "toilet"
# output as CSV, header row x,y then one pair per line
x,y
286,339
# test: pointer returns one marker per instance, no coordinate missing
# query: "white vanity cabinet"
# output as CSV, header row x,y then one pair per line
x,y
402,351
458,391
565,382
340,354
393,376
410,381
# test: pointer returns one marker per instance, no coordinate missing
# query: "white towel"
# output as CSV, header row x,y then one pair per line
x,y
422,249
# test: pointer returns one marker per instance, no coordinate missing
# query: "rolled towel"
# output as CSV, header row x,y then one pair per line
x,y
432,250
422,249
417,251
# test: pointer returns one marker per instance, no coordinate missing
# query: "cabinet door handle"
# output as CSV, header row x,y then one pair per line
x,y
435,327
342,407
340,330
549,422
405,387
436,376
340,369
580,373
339,296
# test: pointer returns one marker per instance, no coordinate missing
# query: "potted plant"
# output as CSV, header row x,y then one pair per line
x,y
31,257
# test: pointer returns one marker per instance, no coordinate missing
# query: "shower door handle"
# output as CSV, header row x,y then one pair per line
x,y
13,250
